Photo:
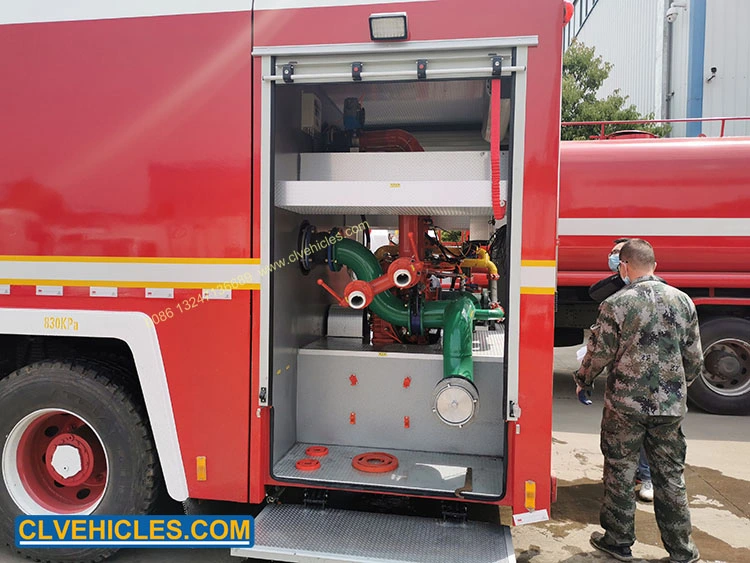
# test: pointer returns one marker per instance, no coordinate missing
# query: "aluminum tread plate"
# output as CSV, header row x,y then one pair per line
x,y
300,534
428,472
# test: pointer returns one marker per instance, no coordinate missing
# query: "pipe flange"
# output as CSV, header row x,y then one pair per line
x,y
357,299
455,401
402,278
306,231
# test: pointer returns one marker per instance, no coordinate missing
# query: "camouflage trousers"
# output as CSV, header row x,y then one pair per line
x,y
664,442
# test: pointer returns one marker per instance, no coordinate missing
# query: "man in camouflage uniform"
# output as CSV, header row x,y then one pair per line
x,y
647,337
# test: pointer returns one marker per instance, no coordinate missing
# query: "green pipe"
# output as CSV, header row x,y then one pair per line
x,y
456,316
458,338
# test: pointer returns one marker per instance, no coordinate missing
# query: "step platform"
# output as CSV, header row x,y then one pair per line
x,y
297,533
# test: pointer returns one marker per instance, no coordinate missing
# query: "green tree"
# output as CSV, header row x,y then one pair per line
x,y
583,74
450,236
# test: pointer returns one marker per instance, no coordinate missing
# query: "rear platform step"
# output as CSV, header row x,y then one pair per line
x,y
298,534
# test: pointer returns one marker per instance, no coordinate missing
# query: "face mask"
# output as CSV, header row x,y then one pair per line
x,y
614,262
625,279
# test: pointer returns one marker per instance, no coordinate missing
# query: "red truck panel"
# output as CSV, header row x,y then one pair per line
x,y
689,197
131,138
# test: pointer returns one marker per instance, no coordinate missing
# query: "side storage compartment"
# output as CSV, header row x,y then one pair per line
x,y
386,343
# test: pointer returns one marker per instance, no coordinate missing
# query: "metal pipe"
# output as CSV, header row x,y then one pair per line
x,y
507,70
482,262
456,316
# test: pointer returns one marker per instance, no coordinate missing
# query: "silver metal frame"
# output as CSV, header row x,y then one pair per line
x,y
265,232
408,47
516,236
449,72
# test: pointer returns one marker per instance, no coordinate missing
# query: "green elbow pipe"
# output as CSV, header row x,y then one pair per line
x,y
458,338
456,317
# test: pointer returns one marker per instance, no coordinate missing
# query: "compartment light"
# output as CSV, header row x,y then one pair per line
x,y
388,27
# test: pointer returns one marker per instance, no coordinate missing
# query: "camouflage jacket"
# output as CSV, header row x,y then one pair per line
x,y
647,338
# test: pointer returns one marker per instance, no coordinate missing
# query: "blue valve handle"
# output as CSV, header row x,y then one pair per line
x,y
583,396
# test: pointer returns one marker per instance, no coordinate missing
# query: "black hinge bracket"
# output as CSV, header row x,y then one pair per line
x,y
357,71
497,66
287,72
315,498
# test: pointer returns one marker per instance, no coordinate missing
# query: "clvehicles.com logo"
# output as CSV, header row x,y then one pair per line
x,y
134,531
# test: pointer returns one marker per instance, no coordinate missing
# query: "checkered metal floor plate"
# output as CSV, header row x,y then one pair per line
x,y
300,534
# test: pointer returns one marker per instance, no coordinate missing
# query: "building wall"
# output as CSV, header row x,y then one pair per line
x,y
630,36
633,35
727,49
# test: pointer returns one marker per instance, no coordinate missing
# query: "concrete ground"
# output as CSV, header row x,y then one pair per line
x,y
717,475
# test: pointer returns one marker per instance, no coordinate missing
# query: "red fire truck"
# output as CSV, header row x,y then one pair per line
x,y
690,199
189,295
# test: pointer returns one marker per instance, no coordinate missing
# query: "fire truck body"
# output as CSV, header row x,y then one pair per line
x,y
690,199
180,186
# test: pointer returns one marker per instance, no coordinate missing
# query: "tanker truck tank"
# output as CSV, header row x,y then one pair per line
x,y
690,198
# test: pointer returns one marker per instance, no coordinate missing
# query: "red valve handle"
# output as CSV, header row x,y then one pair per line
x,y
325,286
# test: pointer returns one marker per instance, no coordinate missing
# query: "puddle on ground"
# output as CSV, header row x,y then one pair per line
x,y
720,510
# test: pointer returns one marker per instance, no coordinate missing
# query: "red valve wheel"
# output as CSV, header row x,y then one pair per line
x,y
375,462
317,451
307,464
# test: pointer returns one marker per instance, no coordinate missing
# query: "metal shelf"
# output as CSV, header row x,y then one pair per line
x,y
421,183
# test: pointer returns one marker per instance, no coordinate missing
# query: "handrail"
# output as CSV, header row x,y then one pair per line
x,y
603,124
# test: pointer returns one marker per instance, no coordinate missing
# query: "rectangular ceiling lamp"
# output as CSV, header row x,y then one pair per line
x,y
388,27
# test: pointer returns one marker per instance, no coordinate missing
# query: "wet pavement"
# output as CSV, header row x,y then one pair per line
x,y
717,477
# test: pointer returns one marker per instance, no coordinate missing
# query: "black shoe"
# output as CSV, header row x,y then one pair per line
x,y
693,559
619,552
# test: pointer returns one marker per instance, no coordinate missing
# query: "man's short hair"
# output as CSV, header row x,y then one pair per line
x,y
638,252
619,240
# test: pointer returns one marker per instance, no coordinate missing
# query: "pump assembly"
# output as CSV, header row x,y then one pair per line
x,y
398,293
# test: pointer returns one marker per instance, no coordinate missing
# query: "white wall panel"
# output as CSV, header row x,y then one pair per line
x,y
630,35
727,49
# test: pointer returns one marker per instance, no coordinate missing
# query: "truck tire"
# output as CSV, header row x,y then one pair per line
x,y
111,468
724,387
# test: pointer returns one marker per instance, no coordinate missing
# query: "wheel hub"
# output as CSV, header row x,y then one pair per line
x,y
53,462
69,459
727,365
723,364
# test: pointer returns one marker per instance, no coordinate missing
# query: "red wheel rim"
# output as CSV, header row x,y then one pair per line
x,y
375,462
317,451
307,464
61,463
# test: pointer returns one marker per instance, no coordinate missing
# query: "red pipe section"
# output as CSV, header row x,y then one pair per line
x,y
366,291
391,140
411,224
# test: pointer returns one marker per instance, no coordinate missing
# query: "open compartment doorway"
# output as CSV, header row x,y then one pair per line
x,y
362,398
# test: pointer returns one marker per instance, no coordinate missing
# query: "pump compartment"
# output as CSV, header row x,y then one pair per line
x,y
384,377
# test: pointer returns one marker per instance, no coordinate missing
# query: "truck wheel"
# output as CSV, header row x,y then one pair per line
x,y
74,442
724,388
